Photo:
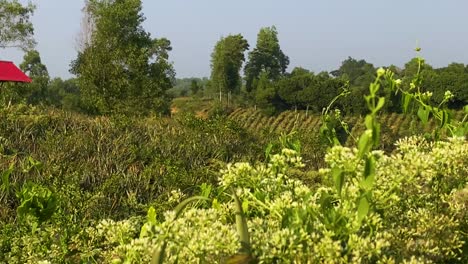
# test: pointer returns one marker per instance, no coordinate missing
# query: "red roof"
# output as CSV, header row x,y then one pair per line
x,y
10,73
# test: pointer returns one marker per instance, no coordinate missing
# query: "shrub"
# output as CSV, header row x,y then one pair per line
x,y
416,212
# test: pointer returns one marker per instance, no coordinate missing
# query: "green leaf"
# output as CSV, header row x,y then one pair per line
x,y
369,121
245,206
241,226
368,98
445,118
374,88
144,230
5,186
406,102
268,151
338,179
363,209
376,135
423,114
215,204
369,174
461,130
365,143
380,104
152,215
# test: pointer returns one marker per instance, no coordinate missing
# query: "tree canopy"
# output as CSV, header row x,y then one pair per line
x,y
33,66
226,62
16,29
266,57
122,69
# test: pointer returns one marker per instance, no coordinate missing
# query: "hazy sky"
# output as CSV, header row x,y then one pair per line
x,y
317,35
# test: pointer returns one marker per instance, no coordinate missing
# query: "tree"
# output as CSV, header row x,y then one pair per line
x,y
87,28
359,74
226,62
320,91
291,88
16,29
452,78
33,66
122,69
266,95
64,94
266,57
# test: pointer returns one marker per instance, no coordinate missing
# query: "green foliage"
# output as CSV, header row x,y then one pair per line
x,y
195,87
37,71
415,98
291,88
134,70
185,85
305,90
37,202
358,73
120,168
64,94
226,62
267,57
266,95
16,29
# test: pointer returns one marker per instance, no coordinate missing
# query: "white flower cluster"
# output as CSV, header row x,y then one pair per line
x,y
117,233
289,222
176,196
198,235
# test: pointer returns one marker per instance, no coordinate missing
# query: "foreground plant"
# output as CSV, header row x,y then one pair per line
x,y
417,216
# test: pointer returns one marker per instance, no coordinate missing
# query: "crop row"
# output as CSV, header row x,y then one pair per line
x,y
393,125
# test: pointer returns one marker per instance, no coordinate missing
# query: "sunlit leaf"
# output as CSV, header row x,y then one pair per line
x,y
363,209
423,114
338,179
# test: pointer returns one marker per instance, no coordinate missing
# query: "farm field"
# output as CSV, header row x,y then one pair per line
x,y
126,173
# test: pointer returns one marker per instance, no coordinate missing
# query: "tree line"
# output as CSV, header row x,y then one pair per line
x,y
266,83
121,69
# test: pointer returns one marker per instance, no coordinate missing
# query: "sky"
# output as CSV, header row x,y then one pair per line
x,y
316,35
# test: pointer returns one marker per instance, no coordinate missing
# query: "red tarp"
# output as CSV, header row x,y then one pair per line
x,y
10,73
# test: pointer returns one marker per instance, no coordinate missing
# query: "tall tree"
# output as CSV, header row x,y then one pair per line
x,y
266,57
226,62
122,69
87,28
16,29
